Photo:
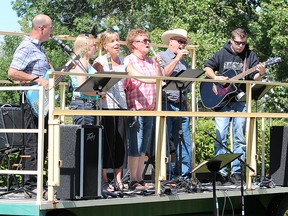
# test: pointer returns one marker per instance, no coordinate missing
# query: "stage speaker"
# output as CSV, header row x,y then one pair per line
x,y
11,117
278,155
80,173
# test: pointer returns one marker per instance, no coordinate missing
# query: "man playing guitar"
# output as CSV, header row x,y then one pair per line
x,y
236,56
29,65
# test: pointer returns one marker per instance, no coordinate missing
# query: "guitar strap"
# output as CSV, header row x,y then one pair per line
x,y
51,66
244,64
240,92
44,51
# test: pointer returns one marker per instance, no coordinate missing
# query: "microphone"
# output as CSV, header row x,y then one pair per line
x,y
61,44
188,55
109,61
154,53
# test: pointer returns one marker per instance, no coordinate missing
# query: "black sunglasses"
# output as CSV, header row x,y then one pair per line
x,y
144,41
182,42
239,43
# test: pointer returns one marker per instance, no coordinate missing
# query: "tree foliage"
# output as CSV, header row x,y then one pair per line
x,y
208,22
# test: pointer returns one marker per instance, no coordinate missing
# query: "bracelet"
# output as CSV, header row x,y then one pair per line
x,y
37,77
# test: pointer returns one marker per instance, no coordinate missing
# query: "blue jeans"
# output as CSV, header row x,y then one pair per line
x,y
173,126
83,104
140,135
222,131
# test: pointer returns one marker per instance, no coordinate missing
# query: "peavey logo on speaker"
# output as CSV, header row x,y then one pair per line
x,y
90,136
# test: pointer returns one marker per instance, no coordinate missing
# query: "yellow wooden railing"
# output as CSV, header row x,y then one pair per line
x,y
160,137
39,131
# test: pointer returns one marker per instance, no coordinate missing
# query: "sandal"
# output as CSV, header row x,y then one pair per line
x,y
106,187
145,185
135,186
118,186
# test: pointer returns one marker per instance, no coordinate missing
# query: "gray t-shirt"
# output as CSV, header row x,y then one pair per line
x,y
173,95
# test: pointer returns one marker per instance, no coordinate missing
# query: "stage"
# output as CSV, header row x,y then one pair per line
x,y
181,201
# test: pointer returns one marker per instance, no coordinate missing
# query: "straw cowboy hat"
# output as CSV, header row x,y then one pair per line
x,y
167,35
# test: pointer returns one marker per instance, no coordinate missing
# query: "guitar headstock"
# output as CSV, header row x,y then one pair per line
x,y
273,60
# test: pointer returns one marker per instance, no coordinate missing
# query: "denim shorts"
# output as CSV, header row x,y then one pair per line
x,y
140,135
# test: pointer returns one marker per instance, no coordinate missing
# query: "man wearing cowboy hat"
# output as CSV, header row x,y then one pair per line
x,y
172,64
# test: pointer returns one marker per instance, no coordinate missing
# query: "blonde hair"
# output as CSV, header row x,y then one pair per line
x,y
106,36
82,45
132,35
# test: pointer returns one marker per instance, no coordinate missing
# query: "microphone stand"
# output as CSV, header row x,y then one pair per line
x,y
67,50
180,132
242,167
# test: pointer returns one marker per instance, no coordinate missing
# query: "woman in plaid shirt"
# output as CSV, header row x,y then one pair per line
x,y
140,96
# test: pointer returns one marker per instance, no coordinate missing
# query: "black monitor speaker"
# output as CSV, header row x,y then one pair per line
x,y
79,172
278,155
11,117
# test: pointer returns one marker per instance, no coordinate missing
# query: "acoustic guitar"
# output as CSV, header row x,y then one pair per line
x,y
215,95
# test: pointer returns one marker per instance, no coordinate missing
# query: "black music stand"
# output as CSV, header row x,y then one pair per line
x,y
243,163
99,84
258,91
181,86
189,73
213,166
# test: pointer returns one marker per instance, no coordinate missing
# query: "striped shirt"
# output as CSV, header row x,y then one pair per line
x,y
139,95
30,57
116,97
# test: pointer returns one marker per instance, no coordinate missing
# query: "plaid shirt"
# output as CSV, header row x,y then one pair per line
x,y
30,57
139,95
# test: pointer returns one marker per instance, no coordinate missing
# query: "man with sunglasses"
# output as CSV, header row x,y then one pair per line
x,y
235,55
178,128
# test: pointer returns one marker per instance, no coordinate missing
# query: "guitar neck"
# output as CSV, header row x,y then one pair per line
x,y
269,62
243,74
67,68
59,79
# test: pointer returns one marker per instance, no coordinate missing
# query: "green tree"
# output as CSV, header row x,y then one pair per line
x,y
272,28
208,22
8,48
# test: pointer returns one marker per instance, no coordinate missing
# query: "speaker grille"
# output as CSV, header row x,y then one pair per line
x,y
11,117
278,155
70,154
